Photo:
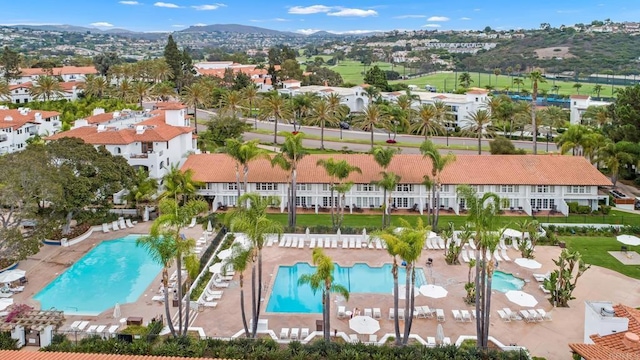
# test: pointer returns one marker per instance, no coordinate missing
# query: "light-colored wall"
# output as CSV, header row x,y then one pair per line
x,y
595,323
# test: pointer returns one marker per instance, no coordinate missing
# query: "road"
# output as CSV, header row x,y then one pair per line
x,y
458,142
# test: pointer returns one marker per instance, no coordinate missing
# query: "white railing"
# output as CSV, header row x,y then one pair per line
x,y
563,207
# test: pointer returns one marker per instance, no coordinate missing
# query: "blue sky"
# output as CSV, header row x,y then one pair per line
x,y
307,16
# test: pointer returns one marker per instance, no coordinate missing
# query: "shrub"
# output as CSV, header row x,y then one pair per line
x,y
605,210
584,209
573,207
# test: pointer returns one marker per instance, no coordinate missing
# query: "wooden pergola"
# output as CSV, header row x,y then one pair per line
x,y
35,320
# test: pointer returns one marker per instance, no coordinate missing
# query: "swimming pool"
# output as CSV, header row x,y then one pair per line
x,y
504,282
288,297
115,271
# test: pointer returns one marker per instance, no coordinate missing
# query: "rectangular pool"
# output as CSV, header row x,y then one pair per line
x,y
288,297
115,271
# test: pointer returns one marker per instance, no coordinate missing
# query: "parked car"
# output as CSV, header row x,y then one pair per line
x,y
345,125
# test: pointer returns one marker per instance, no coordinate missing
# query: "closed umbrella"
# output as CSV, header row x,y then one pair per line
x,y
11,275
629,240
528,263
521,298
365,325
209,227
116,311
364,234
433,291
439,334
339,233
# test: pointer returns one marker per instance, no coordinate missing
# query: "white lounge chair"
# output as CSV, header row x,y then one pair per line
x,y
114,226
504,316
345,243
100,329
515,244
368,312
541,277
92,329
377,314
534,315
431,341
301,244
440,315
465,257
428,313
294,333
284,333
312,243
122,224
400,314
378,244
419,313
502,245
472,254
288,242
159,298
105,227
429,244
334,243
457,316
129,223
294,243
210,304
371,244
112,330
193,222
392,314
373,339
544,289
446,341
358,243
304,333
496,255
441,243
342,312
74,325
511,314
82,325
544,315
504,255
472,244
270,241
525,315
466,316
353,338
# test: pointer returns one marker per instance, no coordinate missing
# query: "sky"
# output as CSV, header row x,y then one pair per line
x,y
345,16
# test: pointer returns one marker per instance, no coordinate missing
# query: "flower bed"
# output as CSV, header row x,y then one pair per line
x,y
75,232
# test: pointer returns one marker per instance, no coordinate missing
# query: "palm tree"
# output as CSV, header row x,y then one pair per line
x,y
371,119
556,116
465,80
195,95
143,189
123,89
179,184
477,124
535,77
239,261
394,246
231,101
302,105
140,89
162,250
518,82
413,239
253,221
600,115
5,91
323,279
404,104
497,73
372,93
322,114
597,89
388,183
192,265
46,88
250,95
342,171
573,139
96,85
163,91
614,157
274,106
290,155
173,218
428,122
577,86
161,70
438,164
482,215
243,153
383,156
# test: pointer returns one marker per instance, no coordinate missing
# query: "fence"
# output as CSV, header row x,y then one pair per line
x,y
591,219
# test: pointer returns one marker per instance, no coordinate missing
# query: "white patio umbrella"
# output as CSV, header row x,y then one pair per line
x,y
433,291
11,275
528,263
365,325
439,334
512,233
521,298
209,227
5,303
116,311
629,240
216,268
224,254
145,216
402,292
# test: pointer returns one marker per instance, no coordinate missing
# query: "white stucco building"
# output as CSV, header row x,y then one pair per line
x,y
21,93
527,183
154,140
66,73
18,125
579,104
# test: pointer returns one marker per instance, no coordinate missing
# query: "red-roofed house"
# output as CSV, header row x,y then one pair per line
x,y
67,73
154,140
527,182
18,125
21,93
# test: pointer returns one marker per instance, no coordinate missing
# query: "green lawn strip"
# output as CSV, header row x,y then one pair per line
x,y
594,251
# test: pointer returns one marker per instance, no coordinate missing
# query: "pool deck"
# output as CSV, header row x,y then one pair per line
x,y
547,339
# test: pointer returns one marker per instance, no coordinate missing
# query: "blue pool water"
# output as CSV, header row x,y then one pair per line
x,y
115,271
288,297
504,282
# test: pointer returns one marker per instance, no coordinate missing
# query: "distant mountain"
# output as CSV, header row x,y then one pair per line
x,y
67,28
237,28
326,34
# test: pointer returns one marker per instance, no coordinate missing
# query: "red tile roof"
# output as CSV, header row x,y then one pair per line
x,y
18,120
27,85
169,105
580,97
477,92
41,355
467,169
65,70
614,346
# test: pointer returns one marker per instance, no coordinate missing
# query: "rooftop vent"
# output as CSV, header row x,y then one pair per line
x,y
101,128
631,340
607,311
140,129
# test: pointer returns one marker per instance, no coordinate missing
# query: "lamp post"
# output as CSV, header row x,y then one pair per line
x,y
340,126
548,138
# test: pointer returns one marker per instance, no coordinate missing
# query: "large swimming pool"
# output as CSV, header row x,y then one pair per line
x,y
288,297
115,271
504,282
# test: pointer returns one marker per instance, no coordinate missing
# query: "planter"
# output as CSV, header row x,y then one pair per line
x,y
10,267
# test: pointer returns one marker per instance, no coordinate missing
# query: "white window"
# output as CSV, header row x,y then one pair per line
x,y
542,189
444,188
326,201
509,188
303,187
577,189
229,186
404,187
303,201
326,187
368,202
366,187
266,186
401,202
229,200
478,188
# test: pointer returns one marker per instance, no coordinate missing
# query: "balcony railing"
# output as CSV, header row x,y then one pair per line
x,y
3,137
139,156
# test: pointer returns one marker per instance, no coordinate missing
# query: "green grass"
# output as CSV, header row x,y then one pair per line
x,y
353,71
594,251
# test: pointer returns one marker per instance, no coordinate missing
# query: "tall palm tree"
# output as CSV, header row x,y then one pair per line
x,y
429,122
123,89
394,247
290,155
342,171
231,102
274,106
195,95
600,115
95,85
438,163
388,183
141,90
243,153
372,118
302,105
383,156
46,88
372,93
535,77
465,80
577,86
253,221
162,250
179,184
250,96
556,116
322,115
192,265
477,123
574,139
482,215
614,157
239,260
161,70
163,91
518,82
597,89
404,104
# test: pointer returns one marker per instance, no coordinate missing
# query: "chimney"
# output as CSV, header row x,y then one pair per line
x,y
116,114
139,130
101,128
98,111
631,340
38,117
8,118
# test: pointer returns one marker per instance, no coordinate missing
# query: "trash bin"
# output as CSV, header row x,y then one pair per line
x,y
319,325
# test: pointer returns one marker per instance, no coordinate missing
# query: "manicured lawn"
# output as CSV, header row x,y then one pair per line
x,y
352,71
594,251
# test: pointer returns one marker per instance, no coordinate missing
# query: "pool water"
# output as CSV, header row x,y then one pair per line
x,y
289,297
504,282
115,271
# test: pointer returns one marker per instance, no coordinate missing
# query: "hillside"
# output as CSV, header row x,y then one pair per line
x,y
236,28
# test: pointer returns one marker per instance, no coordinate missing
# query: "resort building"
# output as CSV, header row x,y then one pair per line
x,y
610,332
154,140
66,73
21,93
527,183
19,125
579,104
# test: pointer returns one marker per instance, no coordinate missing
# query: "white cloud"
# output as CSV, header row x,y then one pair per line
x,y
129,3
269,20
200,24
345,32
410,16
307,31
353,12
431,25
465,18
438,18
208,7
166,5
101,24
178,26
305,10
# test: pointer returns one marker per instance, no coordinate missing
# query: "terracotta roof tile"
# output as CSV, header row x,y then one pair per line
x,y
170,105
23,85
18,120
65,70
477,92
582,97
38,355
467,169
